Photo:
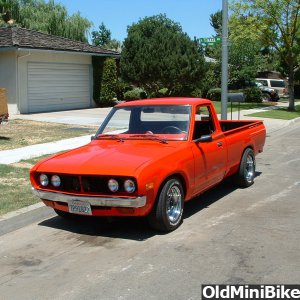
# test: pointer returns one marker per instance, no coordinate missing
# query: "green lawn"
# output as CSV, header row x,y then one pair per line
x,y
279,113
15,188
15,185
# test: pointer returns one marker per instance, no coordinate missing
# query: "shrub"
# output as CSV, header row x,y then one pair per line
x,y
121,88
253,94
197,93
109,81
135,94
214,94
163,92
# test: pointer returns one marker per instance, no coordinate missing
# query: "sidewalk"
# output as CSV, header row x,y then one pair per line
x,y
15,155
96,116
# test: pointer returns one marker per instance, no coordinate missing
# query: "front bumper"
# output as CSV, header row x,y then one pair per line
x,y
94,201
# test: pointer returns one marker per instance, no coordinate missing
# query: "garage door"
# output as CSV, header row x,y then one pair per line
x,y
53,86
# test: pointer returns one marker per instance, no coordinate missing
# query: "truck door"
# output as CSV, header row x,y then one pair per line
x,y
210,155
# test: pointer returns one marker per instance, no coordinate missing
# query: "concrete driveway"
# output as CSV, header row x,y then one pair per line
x,y
90,116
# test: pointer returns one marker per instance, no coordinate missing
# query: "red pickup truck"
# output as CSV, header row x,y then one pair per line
x,y
148,158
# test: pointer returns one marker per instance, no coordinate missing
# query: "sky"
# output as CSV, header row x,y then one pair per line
x,y
117,15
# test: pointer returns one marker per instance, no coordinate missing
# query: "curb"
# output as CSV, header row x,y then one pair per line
x,y
296,120
20,211
23,217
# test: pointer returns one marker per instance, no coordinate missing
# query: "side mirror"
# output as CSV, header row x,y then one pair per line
x,y
204,139
93,137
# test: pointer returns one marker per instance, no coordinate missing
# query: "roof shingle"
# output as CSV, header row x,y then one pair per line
x,y
15,37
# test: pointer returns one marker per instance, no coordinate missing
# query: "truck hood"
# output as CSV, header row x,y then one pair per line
x,y
109,157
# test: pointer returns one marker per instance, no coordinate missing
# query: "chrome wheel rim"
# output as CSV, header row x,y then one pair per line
x,y
249,169
174,204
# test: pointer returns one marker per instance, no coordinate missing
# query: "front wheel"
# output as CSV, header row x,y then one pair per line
x,y
246,173
167,212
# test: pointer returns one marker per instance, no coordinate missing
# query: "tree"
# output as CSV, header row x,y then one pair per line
x,y
246,54
102,38
9,9
245,60
157,54
276,24
216,22
47,17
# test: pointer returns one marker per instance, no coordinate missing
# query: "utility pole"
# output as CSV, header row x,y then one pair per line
x,y
224,94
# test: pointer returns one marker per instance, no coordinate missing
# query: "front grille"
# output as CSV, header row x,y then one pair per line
x,y
93,184
70,184
80,184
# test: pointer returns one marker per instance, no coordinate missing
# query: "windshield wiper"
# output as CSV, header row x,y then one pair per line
x,y
109,137
150,137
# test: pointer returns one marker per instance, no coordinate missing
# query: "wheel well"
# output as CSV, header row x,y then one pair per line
x,y
179,177
248,147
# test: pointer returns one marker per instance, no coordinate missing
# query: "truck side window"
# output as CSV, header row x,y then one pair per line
x,y
204,123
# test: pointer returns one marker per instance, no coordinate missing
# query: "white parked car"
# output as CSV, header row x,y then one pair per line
x,y
278,85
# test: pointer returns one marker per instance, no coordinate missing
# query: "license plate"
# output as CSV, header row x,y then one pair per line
x,y
79,207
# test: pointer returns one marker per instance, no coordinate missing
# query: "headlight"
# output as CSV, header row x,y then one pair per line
x,y
113,185
44,181
55,180
129,186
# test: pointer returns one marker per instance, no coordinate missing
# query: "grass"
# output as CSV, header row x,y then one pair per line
x,y
19,133
15,187
278,113
217,105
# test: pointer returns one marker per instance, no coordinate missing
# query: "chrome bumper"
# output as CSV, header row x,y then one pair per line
x,y
94,201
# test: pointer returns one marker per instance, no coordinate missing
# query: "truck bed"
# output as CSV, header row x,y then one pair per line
x,y
229,126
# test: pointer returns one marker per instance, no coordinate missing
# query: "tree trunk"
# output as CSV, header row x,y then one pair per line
x,y
291,87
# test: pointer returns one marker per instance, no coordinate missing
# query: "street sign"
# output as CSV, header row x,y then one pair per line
x,y
210,41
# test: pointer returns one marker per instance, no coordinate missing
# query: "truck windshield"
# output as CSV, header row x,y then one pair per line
x,y
168,122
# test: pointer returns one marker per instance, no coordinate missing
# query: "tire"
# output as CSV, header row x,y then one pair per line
x,y
246,173
167,213
266,97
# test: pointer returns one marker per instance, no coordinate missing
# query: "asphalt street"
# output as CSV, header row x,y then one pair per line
x,y
229,235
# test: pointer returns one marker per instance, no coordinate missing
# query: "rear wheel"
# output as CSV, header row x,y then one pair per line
x,y
246,173
167,212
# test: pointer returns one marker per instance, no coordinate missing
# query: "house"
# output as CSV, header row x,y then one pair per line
x,y
41,72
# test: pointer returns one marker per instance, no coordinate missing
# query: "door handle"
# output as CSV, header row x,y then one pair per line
x,y
219,144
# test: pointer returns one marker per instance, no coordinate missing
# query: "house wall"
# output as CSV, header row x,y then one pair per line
x,y
8,78
24,57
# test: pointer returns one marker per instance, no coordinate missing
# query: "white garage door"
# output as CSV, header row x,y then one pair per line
x,y
53,86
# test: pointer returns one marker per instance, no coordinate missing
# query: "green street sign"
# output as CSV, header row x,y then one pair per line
x,y
210,41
